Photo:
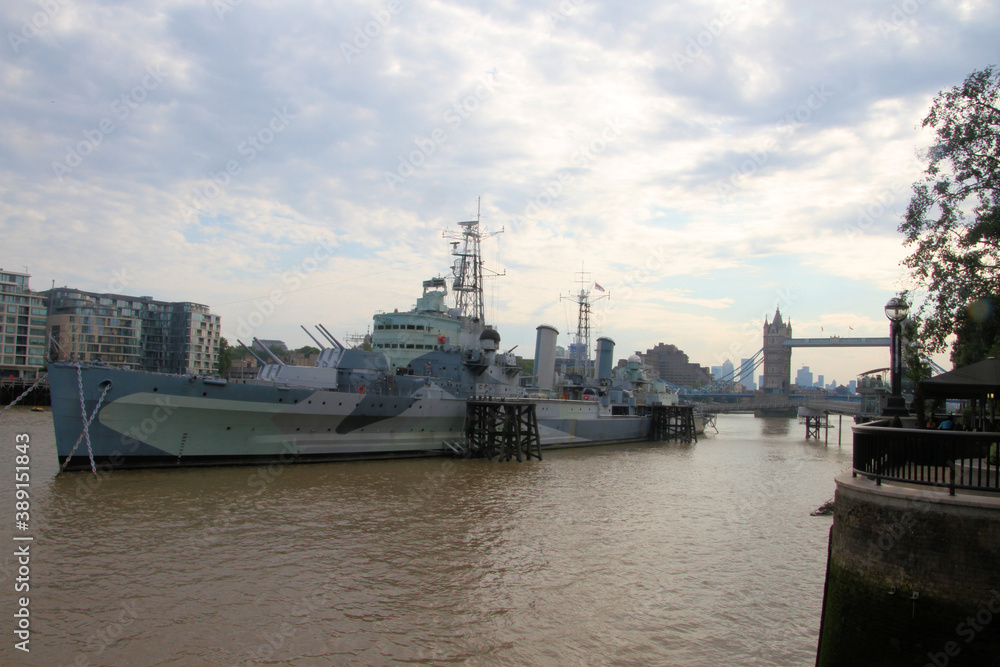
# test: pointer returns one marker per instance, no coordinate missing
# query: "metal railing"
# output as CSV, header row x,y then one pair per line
x,y
951,459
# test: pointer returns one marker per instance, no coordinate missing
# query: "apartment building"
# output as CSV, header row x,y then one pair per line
x,y
22,327
137,332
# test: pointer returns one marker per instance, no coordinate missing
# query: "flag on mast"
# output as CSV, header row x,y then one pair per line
x,y
598,287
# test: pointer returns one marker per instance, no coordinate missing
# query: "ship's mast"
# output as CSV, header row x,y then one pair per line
x,y
581,353
467,268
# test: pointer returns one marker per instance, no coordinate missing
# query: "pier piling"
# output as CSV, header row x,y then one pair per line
x,y
13,388
672,422
813,425
502,429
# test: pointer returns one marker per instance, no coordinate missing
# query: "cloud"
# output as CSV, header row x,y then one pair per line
x,y
224,141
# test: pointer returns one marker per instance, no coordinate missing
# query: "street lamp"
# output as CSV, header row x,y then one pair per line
x,y
896,310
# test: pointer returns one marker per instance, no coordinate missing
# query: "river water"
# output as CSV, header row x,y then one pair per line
x,y
637,554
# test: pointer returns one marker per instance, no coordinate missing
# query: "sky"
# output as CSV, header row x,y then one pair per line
x,y
296,163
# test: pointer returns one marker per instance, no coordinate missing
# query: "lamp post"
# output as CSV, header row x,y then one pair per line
x,y
896,310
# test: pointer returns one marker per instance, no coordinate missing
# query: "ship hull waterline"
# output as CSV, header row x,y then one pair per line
x,y
148,420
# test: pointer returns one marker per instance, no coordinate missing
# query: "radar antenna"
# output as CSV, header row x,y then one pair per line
x,y
467,269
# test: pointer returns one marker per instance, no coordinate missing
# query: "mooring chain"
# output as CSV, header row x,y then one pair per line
x,y
86,421
23,394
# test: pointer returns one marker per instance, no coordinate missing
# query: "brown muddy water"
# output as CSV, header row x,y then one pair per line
x,y
636,554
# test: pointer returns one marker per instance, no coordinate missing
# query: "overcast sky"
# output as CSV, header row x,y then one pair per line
x,y
296,162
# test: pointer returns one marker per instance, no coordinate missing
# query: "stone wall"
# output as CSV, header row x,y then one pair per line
x,y
913,578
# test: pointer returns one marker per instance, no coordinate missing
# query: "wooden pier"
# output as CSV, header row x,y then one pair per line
x,y
502,429
672,422
816,420
11,388
813,425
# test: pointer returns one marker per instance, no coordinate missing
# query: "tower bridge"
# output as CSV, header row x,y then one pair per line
x,y
777,351
836,341
776,359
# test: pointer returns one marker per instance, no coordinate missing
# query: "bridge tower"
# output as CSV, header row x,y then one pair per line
x,y
777,356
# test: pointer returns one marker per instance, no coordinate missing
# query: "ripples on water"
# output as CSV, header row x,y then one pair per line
x,y
630,555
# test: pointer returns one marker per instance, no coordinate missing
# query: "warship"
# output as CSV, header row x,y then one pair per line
x,y
404,393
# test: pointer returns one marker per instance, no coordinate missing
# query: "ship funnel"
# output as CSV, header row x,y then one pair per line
x,y
605,358
545,357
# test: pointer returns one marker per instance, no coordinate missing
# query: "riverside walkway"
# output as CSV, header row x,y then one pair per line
x,y
832,405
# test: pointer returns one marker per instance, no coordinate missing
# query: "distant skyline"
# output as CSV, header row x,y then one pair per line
x,y
295,163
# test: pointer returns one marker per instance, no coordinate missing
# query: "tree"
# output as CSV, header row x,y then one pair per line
x,y
953,219
916,366
977,333
307,350
225,356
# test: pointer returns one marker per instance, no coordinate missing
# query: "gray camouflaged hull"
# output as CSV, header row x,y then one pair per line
x,y
155,420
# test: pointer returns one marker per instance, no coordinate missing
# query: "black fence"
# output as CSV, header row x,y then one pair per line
x,y
952,459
